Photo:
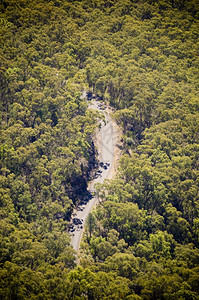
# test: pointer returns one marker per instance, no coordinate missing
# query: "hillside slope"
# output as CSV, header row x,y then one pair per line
x,y
142,58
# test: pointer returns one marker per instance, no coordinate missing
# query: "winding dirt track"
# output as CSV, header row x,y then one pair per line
x,y
106,141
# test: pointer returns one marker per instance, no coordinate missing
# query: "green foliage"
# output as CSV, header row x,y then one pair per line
x,y
141,57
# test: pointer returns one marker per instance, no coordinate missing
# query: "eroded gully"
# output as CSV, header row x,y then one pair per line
x,y
106,141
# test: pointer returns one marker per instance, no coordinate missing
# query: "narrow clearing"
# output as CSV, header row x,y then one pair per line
x,y
106,139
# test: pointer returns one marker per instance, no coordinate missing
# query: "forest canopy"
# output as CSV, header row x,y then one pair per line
x,y
142,58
